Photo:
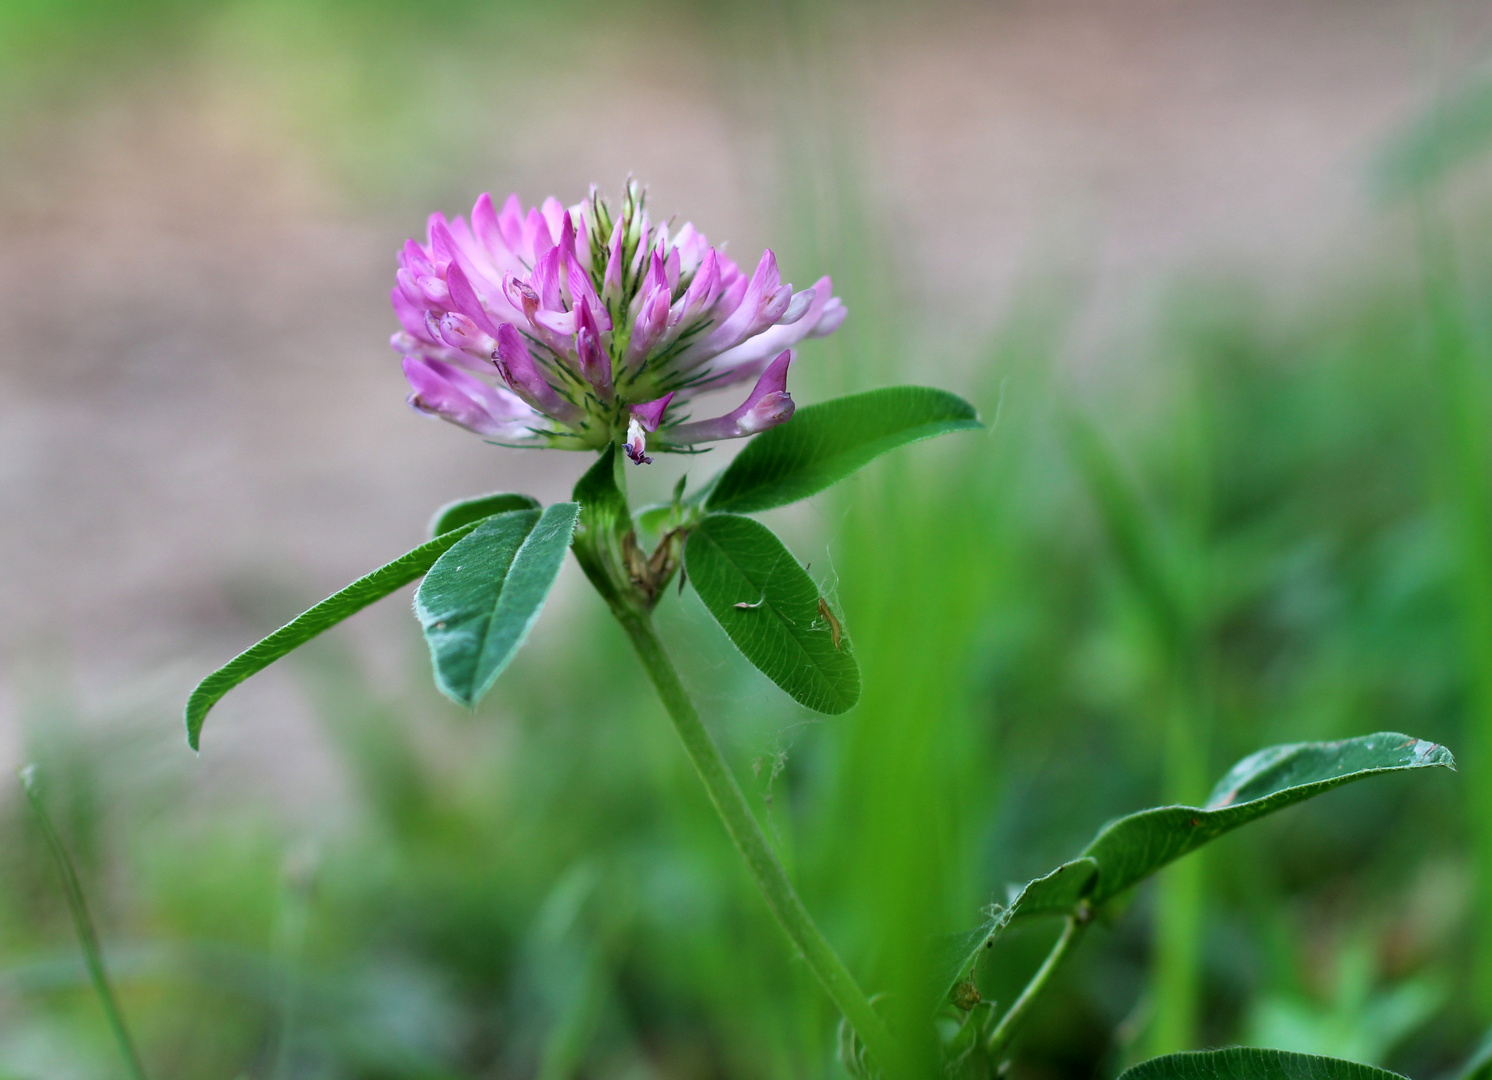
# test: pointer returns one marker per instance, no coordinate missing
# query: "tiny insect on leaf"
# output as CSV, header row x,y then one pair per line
x,y
835,631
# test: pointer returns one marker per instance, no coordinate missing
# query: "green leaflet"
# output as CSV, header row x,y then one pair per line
x,y
1128,850
308,624
1249,1063
465,511
770,608
480,599
1134,847
823,444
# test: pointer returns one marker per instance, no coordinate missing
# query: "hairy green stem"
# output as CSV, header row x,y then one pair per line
x,y
1072,933
87,937
771,879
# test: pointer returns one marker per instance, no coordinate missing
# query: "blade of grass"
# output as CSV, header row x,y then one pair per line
x,y
1161,592
87,937
1460,367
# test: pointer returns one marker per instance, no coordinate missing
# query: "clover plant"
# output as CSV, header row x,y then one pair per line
x,y
591,328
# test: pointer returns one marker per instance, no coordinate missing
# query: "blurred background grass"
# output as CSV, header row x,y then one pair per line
x,y
1217,275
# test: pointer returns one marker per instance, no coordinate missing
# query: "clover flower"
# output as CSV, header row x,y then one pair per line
x,y
575,327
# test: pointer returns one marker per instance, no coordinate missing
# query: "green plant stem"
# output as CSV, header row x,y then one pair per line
x,y
1072,933
731,804
87,936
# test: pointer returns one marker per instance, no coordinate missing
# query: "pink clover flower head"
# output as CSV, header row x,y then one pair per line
x,y
572,327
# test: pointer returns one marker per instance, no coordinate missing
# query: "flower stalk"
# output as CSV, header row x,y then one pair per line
x,y
747,835
631,583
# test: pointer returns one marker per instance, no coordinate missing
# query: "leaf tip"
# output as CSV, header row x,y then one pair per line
x,y
196,713
845,698
1436,755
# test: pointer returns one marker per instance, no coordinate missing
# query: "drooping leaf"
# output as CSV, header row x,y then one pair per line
x,y
362,592
1250,1063
823,444
465,511
772,611
1132,848
481,597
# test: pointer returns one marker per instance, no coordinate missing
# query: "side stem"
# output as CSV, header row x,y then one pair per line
x,y
773,882
1005,1031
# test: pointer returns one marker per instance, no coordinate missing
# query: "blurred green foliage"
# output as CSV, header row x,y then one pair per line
x,y
544,882
542,889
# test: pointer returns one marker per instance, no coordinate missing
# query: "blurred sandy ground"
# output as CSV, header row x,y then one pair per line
x,y
201,426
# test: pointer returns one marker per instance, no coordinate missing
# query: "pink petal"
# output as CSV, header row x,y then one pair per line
x,y
768,405
650,414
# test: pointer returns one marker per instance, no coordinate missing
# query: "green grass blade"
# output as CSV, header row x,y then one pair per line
x,y
1134,537
1465,460
362,592
77,907
1139,541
